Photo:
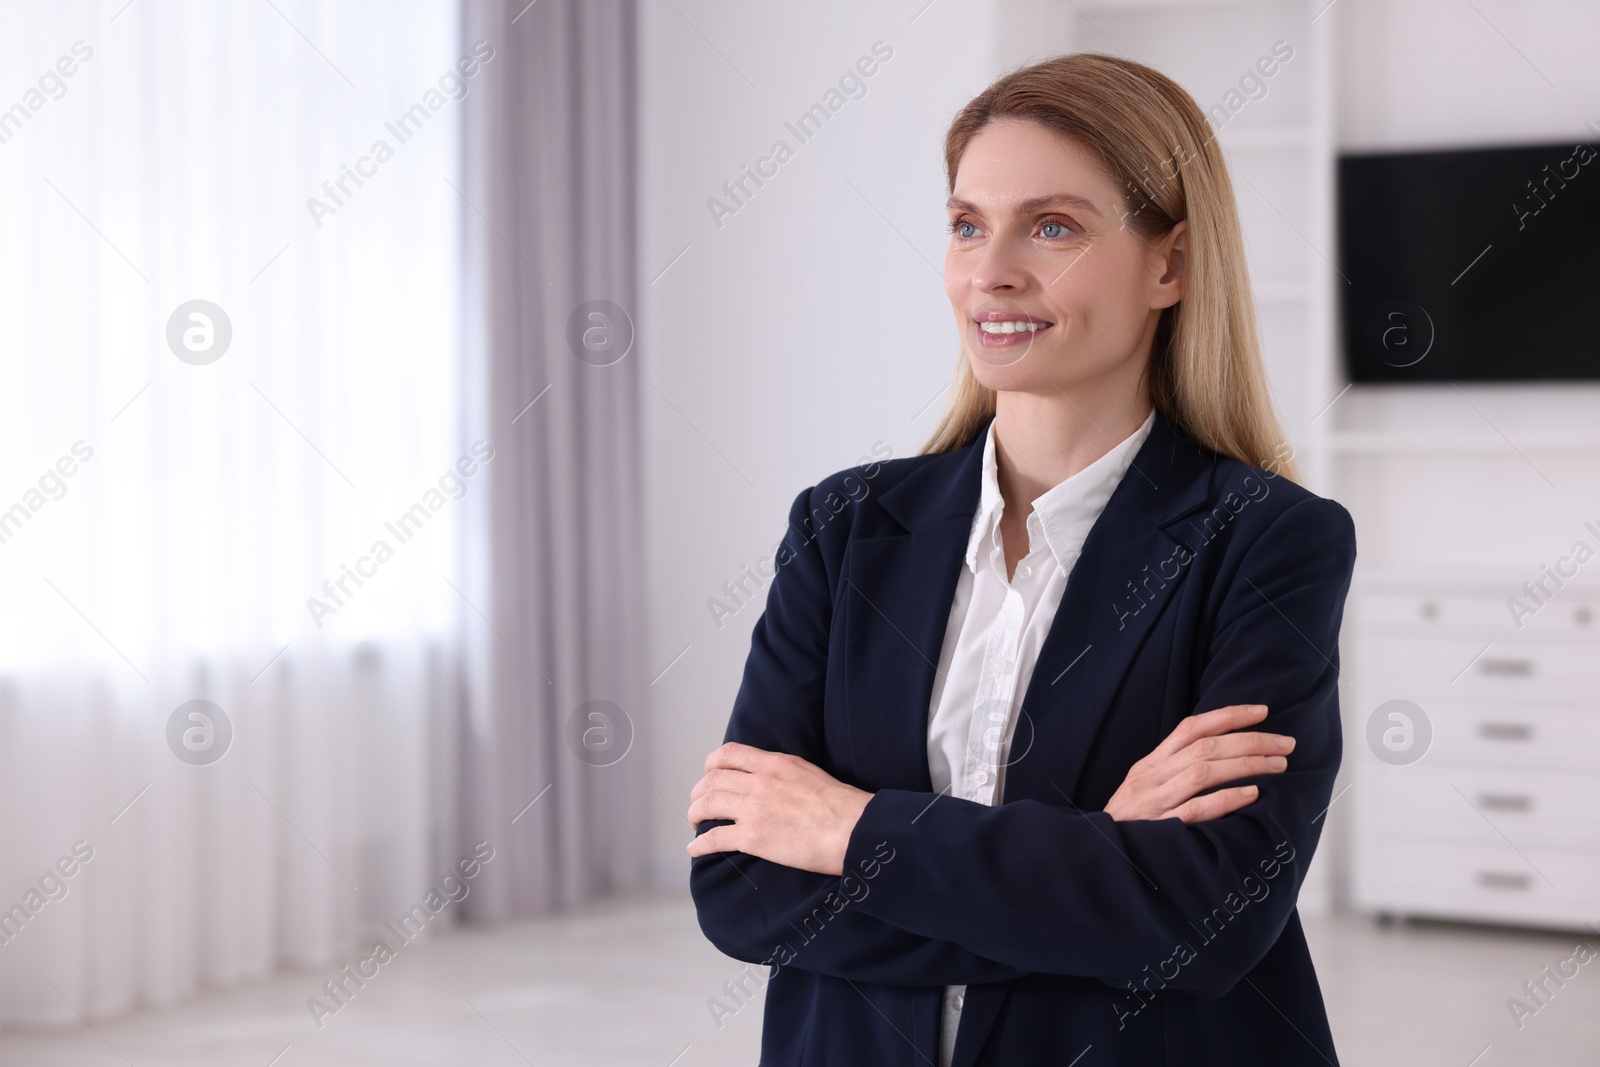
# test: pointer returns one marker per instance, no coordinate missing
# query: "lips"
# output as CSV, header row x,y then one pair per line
x,y
1005,326
1007,316
1005,329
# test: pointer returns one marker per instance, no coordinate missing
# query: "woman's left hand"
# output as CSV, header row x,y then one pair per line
x,y
783,808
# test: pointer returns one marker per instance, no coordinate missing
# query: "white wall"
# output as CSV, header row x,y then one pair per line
x,y
1417,73
1442,72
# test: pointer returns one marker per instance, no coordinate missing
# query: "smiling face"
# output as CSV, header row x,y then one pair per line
x,y
1051,291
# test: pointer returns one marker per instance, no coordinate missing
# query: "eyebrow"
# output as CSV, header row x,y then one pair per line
x,y
1038,203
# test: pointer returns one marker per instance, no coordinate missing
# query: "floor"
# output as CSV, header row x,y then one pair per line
x,y
627,981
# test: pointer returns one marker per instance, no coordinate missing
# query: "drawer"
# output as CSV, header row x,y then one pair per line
x,y
1508,673
1478,806
1486,883
1511,735
1569,615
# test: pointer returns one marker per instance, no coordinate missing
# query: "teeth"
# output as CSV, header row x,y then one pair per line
x,y
1012,327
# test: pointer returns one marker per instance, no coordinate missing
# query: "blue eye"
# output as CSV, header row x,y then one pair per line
x,y
1059,225
956,227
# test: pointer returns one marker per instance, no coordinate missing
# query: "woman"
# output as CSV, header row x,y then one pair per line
x,y
988,795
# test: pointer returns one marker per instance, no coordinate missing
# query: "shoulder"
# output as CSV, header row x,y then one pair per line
x,y
1265,520
844,507
847,504
1275,498
872,477
1270,550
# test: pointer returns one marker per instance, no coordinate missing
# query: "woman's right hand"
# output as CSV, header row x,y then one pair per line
x,y
1202,752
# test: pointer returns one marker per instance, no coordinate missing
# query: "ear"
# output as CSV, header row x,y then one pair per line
x,y
1171,261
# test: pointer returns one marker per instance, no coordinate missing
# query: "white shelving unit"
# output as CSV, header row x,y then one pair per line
x,y
1488,805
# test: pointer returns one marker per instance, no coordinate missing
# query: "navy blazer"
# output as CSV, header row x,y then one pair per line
x,y
1204,583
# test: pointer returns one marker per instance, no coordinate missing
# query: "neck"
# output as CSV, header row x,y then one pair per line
x,y
1044,438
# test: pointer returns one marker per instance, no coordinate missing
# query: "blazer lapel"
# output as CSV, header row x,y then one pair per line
x,y
900,585
1128,571
1110,603
896,605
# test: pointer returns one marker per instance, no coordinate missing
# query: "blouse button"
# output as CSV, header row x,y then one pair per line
x,y
981,776
1024,572
956,1000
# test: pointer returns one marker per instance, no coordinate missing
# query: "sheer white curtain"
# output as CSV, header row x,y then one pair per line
x,y
164,521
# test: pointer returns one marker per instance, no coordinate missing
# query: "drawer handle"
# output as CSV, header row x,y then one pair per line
x,y
1505,801
1504,880
1505,731
1507,668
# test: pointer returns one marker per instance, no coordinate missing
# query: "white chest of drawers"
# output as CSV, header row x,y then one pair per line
x,y
1499,818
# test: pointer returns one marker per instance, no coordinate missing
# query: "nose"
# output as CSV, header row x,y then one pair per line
x,y
998,269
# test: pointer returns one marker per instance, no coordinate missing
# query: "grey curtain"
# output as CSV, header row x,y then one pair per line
x,y
555,683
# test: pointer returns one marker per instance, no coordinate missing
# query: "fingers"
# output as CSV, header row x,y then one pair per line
x,y
1202,774
727,768
1229,746
1213,760
1214,805
739,757
1210,723
1232,717
714,804
716,839
1215,772
720,778
731,779
1202,752
733,766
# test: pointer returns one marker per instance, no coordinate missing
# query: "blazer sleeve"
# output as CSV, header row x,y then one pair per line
x,y
1037,885
763,912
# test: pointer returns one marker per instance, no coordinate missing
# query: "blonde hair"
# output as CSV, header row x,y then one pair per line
x,y
1205,375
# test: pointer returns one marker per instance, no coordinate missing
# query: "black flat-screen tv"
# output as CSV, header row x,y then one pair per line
x,y
1469,265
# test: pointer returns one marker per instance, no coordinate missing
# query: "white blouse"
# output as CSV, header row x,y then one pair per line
x,y
994,634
